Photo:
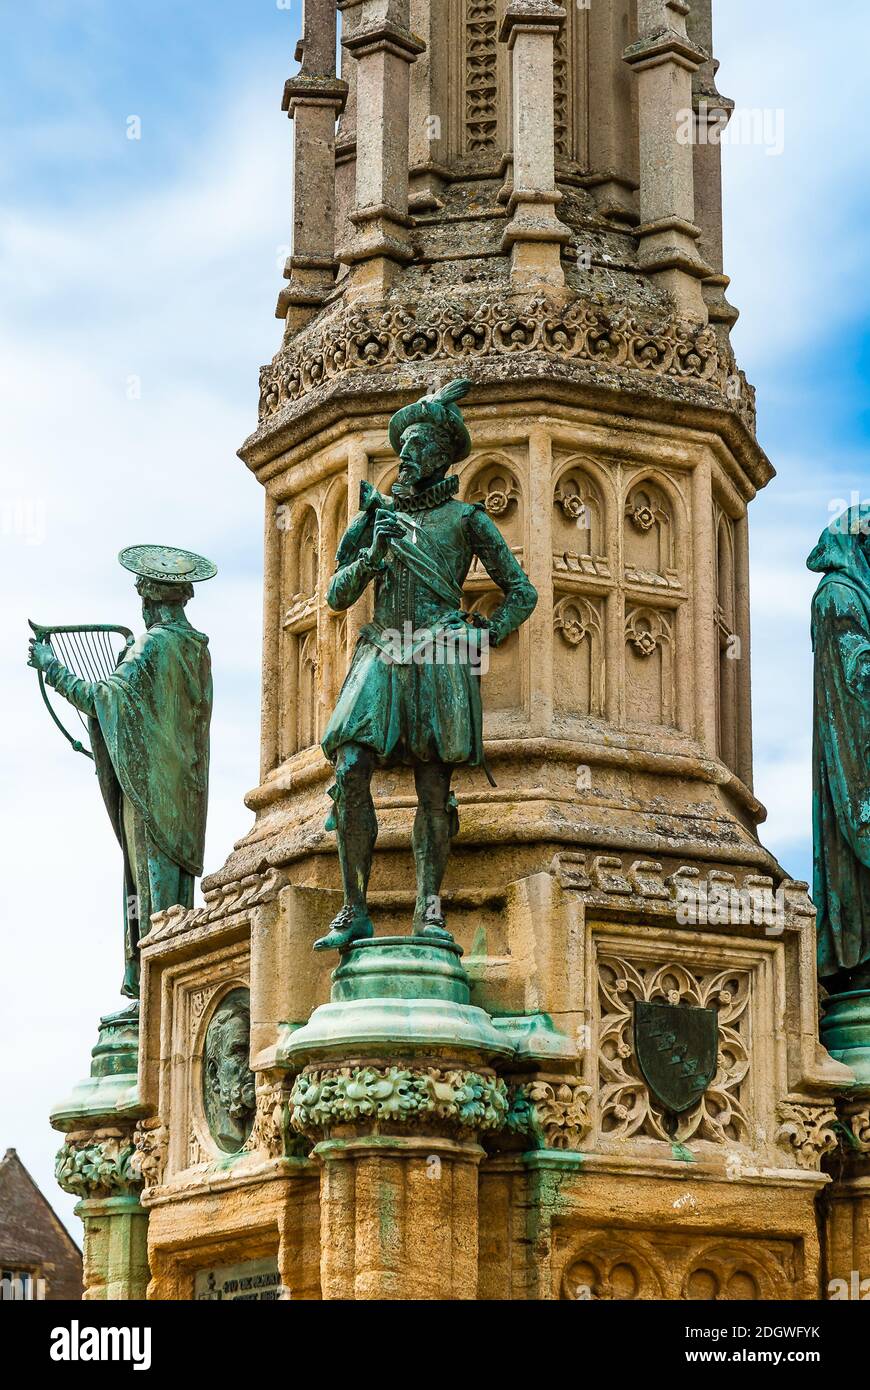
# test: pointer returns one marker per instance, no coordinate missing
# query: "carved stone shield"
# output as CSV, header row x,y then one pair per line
x,y
676,1047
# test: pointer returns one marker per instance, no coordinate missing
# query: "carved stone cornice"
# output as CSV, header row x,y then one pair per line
x,y
313,91
669,46
388,36
539,16
411,1097
362,338
222,902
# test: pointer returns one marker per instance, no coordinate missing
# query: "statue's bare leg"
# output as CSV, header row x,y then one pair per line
x,y
356,827
434,826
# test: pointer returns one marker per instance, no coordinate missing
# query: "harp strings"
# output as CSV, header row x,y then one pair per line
x,y
88,654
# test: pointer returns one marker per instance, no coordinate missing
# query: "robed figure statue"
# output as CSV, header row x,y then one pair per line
x,y
412,693
841,750
148,723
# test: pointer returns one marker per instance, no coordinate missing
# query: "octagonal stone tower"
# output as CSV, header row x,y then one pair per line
x,y
518,193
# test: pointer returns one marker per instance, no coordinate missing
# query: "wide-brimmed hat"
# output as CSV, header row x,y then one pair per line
x,y
166,564
438,409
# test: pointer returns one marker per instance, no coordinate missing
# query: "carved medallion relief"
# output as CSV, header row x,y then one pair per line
x,y
228,1091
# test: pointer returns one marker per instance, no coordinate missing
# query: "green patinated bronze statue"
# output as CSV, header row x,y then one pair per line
x,y
841,751
148,722
412,693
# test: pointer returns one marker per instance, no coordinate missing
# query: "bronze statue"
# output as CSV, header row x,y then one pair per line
x,y
841,748
412,693
148,722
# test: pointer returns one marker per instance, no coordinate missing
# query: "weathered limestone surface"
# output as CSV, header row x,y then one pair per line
x,y
511,204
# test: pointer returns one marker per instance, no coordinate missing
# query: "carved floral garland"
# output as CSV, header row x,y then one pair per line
x,y
98,1166
807,1131
324,1098
363,338
555,1114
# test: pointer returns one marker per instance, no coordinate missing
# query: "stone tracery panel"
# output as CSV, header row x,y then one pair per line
x,y
626,1108
494,485
480,78
502,684
626,1265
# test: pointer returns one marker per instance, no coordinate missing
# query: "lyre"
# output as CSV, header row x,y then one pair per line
x,y
89,651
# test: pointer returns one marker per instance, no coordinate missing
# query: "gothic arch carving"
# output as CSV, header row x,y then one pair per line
x,y
334,643
578,659
580,521
386,475
493,481
299,596
653,532
649,667
730,1272
301,553
729,641
306,689
335,516
625,1265
502,682
615,1266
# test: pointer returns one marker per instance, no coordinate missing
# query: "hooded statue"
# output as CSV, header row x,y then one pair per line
x,y
841,750
149,730
412,694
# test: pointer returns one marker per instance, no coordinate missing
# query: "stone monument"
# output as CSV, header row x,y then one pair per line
x,y
585,1063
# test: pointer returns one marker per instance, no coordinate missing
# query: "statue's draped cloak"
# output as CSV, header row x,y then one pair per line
x,y
150,738
841,744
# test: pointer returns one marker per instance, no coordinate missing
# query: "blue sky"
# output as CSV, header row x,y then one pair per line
x,y
138,281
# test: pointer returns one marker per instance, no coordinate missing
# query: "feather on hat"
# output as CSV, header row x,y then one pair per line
x,y
439,409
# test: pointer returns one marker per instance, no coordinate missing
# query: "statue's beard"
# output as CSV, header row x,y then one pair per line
x,y
237,1098
409,478
412,479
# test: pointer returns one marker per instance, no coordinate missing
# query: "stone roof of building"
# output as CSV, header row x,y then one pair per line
x,y
32,1236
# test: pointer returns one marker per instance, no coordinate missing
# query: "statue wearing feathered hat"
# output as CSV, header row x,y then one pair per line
x,y
412,693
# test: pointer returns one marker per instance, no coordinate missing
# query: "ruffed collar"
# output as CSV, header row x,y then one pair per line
x,y
430,497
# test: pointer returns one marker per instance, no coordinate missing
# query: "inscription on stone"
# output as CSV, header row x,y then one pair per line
x,y
256,1281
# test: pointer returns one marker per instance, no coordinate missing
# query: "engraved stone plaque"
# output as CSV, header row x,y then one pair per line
x,y
256,1281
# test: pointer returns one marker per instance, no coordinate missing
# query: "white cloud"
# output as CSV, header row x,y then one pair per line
x,y
177,285
795,223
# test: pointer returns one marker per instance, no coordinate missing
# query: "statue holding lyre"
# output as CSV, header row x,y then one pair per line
x,y
146,704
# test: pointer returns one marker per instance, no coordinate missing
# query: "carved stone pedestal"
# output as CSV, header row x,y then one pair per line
x,y
845,1031
847,1204
397,1089
100,1163
116,1247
